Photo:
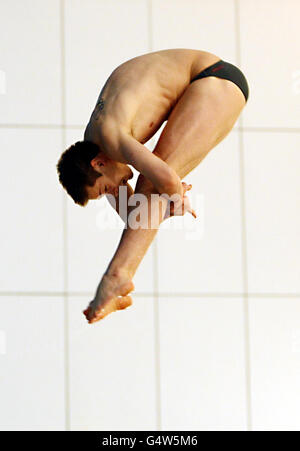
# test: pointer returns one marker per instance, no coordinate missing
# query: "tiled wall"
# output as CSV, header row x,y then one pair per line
x,y
212,341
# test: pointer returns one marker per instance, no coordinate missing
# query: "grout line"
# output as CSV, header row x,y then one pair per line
x,y
150,295
229,295
245,281
244,237
150,25
270,129
156,301
82,127
64,204
34,126
155,275
44,126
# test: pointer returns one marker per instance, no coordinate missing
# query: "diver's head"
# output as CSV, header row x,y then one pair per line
x,y
87,173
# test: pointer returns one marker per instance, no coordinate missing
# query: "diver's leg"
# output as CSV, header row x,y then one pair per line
x,y
203,116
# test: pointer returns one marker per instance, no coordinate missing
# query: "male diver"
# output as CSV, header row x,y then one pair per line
x,y
200,96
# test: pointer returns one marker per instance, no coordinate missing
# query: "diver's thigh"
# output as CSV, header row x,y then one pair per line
x,y
202,117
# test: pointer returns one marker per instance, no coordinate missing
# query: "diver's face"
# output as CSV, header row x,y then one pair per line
x,y
114,174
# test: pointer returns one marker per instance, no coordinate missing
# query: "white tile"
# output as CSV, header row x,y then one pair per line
x,y
275,363
93,234
202,364
208,26
112,369
32,368
272,163
2,82
99,37
31,204
270,59
31,60
191,261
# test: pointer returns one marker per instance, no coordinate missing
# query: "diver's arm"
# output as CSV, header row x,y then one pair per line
x,y
114,201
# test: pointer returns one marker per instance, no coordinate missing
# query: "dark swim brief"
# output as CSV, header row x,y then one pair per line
x,y
222,69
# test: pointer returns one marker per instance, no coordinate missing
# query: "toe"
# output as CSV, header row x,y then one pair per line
x,y
86,312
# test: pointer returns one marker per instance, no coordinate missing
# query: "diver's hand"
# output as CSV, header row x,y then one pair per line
x,y
184,207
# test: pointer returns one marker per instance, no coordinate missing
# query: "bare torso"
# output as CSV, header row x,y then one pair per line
x,y
140,93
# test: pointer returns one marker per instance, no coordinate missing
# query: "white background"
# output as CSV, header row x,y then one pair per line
x,y
212,341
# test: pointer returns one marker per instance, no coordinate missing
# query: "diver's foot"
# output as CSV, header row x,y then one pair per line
x,y
112,295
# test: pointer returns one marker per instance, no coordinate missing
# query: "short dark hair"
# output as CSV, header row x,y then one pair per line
x,y
75,171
